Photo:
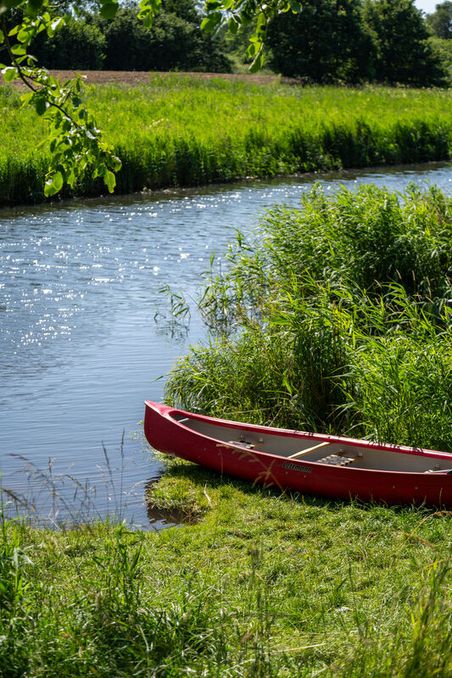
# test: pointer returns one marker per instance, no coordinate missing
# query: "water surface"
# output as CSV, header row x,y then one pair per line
x,y
85,335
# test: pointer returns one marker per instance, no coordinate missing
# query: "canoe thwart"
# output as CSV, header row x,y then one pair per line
x,y
309,449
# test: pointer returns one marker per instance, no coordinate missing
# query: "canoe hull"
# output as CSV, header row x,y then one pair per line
x,y
166,434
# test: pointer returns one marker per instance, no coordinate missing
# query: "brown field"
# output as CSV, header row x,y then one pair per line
x,y
135,78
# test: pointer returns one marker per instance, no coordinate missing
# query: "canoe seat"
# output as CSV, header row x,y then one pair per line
x,y
336,460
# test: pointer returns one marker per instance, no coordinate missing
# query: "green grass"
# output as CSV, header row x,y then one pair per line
x,y
180,131
264,585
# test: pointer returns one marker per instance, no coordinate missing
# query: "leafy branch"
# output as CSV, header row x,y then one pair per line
x,y
76,144
236,14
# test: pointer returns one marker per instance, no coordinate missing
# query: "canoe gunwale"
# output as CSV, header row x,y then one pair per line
x,y
171,413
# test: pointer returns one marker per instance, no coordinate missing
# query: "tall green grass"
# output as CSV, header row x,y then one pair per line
x,y
180,131
338,319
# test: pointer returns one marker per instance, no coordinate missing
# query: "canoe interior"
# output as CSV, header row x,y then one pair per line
x,y
306,448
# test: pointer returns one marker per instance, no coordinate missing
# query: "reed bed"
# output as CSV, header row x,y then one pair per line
x,y
337,319
180,131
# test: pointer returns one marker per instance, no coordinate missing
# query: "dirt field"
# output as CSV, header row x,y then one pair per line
x,y
135,78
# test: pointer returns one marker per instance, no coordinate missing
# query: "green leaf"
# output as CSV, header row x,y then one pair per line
x,y
148,10
115,163
233,25
212,21
25,35
110,181
53,185
26,98
258,62
41,105
54,26
9,73
19,49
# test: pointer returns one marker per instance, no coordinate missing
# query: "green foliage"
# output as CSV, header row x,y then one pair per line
x,y
82,144
181,131
124,42
337,320
356,40
326,42
78,45
443,50
440,21
404,54
237,14
175,42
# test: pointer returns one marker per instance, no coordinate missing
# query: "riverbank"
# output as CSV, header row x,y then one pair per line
x,y
261,585
257,583
180,131
80,290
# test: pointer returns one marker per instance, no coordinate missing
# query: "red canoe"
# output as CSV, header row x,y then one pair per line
x,y
331,466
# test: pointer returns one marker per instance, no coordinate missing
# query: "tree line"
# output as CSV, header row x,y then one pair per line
x,y
352,41
328,41
91,41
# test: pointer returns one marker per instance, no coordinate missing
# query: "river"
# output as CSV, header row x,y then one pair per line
x,y
86,336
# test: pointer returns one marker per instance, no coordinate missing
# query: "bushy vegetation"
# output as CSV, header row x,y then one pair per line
x,y
338,319
328,41
174,43
181,131
444,49
440,21
265,585
79,44
356,40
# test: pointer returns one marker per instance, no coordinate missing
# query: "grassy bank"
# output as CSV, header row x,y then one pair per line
x,y
180,131
265,585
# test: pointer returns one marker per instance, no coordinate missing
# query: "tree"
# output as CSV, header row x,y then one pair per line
x,y
326,42
79,44
440,21
404,54
175,42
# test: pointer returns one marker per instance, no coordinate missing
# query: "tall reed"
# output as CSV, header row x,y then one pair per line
x,y
337,319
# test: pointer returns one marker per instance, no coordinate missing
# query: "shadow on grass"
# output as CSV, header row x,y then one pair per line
x,y
175,505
